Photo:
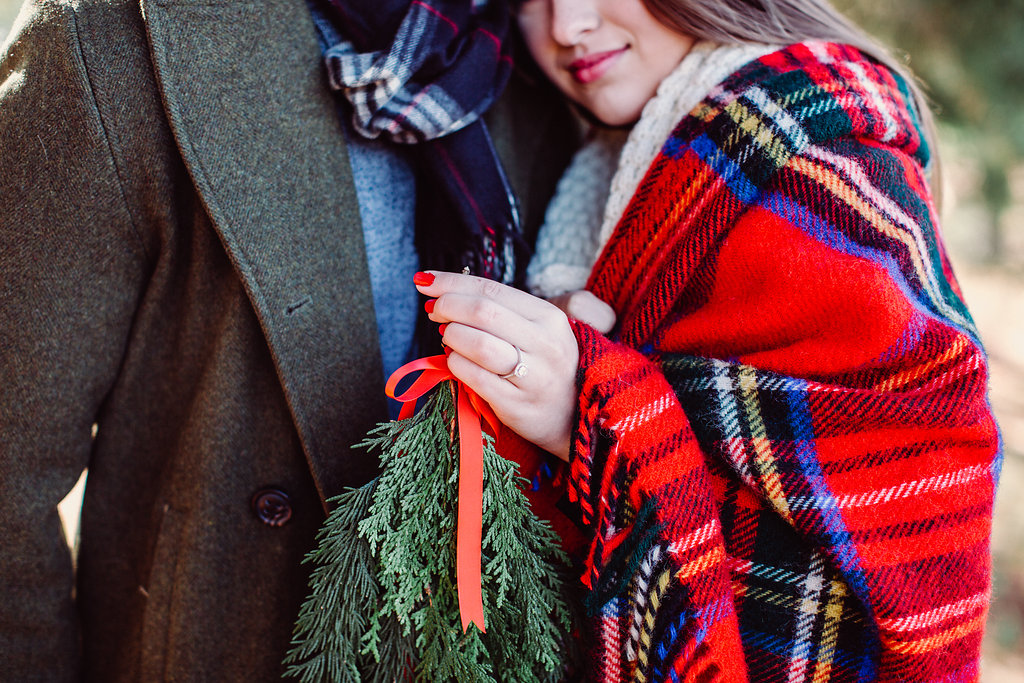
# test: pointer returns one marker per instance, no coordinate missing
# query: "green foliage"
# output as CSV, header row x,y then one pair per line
x,y
326,642
384,603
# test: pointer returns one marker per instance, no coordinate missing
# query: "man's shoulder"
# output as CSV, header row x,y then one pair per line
x,y
68,11
65,25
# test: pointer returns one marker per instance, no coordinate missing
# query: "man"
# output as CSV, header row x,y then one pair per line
x,y
185,310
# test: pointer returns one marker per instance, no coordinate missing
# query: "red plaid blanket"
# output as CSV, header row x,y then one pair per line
x,y
785,459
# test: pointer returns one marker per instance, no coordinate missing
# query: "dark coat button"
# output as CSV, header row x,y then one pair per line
x,y
271,506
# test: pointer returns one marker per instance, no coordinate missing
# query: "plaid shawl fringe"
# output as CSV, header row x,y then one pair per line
x,y
785,462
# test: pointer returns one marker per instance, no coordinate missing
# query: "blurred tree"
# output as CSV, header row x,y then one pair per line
x,y
970,55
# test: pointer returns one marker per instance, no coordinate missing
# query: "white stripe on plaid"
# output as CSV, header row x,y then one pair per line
x,y
810,605
376,84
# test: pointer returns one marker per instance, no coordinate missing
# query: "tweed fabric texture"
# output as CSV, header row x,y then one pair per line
x,y
785,459
199,291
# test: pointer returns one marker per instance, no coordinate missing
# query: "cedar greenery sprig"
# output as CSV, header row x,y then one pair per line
x,y
383,604
331,623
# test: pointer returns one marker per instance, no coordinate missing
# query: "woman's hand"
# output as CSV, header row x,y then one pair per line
x,y
483,325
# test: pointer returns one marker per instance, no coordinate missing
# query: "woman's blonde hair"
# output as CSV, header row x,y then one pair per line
x,y
783,22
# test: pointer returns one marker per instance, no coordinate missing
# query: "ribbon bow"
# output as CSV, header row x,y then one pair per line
x,y
469,409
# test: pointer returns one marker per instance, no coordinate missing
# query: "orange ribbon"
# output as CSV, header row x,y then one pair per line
x,y
470,408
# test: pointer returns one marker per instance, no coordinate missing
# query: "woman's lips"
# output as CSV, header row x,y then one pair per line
x,y
589,68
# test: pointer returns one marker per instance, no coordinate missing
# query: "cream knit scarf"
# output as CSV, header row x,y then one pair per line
x,y
601,179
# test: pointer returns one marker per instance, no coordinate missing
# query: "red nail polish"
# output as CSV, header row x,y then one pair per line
x,y
447,351
442,328
429,306
423,279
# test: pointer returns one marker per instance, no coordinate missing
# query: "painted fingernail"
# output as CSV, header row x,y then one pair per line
x,y
423,279
429,306
442,328
447,351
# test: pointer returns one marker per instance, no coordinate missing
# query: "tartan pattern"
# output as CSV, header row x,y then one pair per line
x,y
785,461
433,74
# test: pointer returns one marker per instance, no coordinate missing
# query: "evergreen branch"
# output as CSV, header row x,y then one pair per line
x,y
384,602
343,590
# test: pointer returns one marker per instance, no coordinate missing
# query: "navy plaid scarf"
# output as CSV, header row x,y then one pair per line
x,y
423,73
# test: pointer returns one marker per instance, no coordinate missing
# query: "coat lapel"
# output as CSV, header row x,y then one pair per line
x,y
243,89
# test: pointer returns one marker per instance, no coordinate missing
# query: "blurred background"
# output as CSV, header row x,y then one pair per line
x,y
970,56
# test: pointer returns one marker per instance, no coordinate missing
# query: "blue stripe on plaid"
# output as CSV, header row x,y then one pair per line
x,y
754,640
815,226
794,394
680,630
839,541
768,586
731,172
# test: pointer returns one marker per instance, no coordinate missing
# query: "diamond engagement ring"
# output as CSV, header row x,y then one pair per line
x,y
520,369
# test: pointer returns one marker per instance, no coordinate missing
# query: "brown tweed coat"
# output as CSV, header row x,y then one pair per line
x,y
181,264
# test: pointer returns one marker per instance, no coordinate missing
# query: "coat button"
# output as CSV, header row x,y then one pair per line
x,y
271,506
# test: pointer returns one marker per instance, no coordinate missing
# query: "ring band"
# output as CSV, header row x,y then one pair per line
x,y
520,369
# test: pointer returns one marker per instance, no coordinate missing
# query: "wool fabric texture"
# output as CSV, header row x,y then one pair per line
x,y
785,461
423,73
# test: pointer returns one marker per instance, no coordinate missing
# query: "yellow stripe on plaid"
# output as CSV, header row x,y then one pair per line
x,y
906,377
763,458
851,197
706,111
789,603
658,591
763,136
830,631
701,564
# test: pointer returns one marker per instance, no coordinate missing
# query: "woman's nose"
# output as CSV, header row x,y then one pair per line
x,y
571,20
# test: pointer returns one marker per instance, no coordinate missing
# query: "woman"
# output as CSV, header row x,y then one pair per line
x,y
782,459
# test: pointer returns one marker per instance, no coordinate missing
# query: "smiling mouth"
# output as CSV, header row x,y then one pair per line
x,y
589,68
